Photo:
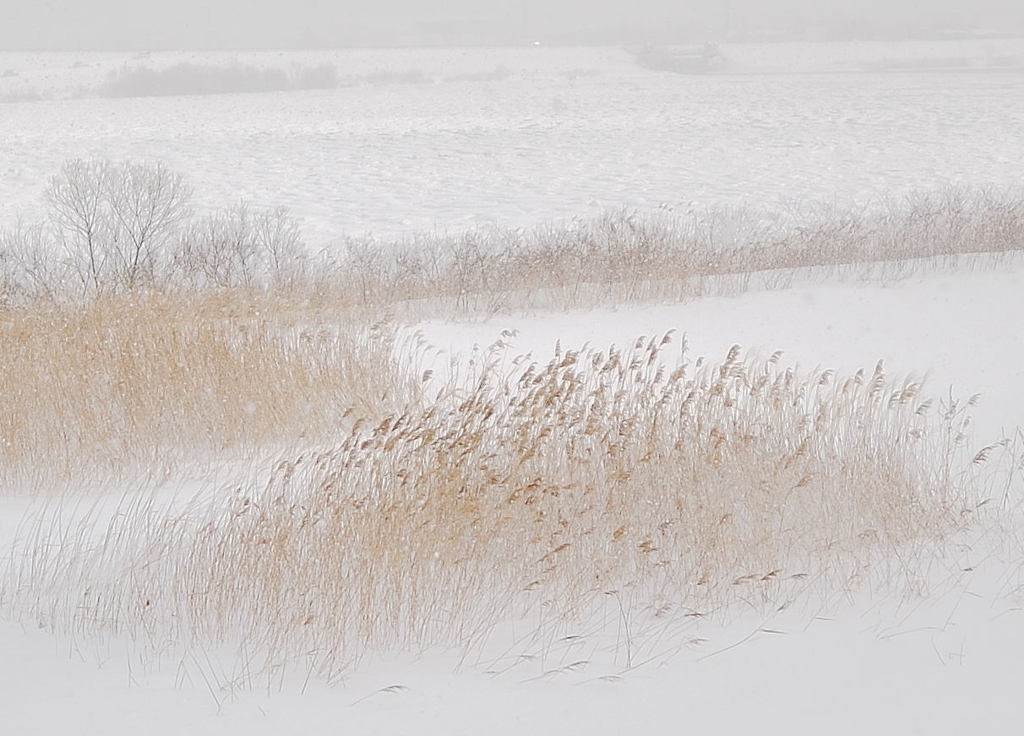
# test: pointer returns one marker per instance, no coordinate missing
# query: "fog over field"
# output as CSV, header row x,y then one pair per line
x,y
123,24
511,367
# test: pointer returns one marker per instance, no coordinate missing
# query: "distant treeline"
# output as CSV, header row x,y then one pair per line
x,y
208,79
197,79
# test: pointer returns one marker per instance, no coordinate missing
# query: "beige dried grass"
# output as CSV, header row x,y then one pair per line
x,y
541,494
139,383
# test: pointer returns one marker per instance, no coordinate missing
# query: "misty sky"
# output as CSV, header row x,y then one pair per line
x,y
144,24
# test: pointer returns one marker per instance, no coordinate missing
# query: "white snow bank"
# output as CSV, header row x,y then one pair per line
x,y
959,328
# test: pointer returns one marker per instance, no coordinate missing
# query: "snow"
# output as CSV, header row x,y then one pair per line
x,y
551,142
951,668
947,663
569,133
956,327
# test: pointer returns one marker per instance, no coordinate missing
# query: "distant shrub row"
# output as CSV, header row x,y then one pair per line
x,y
200,79
124,227
203,79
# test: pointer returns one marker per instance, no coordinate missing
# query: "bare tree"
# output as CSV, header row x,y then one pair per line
x,y
278,243
81,218
147,204
126,225
113,220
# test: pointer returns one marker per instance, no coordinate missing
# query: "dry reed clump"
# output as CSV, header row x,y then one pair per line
x,y
542,492
142,382
627,256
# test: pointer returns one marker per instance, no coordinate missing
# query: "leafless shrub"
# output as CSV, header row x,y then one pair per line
x,y
240,247
31,270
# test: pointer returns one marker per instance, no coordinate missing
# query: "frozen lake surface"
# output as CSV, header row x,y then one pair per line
x,y
556,133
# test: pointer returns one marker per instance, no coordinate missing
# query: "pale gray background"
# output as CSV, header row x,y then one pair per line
x,y
181,24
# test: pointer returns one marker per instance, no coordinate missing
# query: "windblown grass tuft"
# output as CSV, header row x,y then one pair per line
x,y
536,492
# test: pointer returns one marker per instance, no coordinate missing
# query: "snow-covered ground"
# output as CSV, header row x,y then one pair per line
x,y
955,327
568,133
952,667
948,663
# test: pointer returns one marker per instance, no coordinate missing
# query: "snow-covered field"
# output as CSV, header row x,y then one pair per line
x,y
567,134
